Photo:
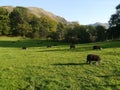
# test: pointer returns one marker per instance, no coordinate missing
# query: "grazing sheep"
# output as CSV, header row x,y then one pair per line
x,y
24,47
97,47
55,45
93,57
72,46
49,46
13,42
39,42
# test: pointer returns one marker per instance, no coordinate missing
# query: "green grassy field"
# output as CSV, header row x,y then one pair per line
x,y
58,67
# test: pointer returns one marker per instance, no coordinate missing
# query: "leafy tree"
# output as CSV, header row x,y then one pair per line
x,y
92,33
47,26
36,27
54,36
114,25
24,29
4,22
19,21
83,34
60,31
71,35
77,34
101,33
3,11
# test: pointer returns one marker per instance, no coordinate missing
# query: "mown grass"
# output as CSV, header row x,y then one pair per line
x,y
58,67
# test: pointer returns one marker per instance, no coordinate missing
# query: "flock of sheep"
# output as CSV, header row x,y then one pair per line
x,y
90,57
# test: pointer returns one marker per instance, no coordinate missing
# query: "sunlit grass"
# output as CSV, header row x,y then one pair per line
x,y
58,67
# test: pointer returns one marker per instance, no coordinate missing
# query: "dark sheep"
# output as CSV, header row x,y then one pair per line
x,y
97,47
13,42
93,57
18,40
49,46
55,45
39,42
24,47
72,46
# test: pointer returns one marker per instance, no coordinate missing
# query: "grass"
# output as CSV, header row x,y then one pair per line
x,y
58,67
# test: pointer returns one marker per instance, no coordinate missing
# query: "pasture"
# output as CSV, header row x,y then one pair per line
x,y
58,67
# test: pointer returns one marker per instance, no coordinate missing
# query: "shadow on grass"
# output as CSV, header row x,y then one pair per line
x,y
41,43
29,43
104,85
108,76
55,46
69,64
53,50
110,44
66,49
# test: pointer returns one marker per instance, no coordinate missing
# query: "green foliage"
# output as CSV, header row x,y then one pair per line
x,y
4,22
84,34
21,22
48,25
114,25
55,36
93,33
3,11
60,31
101,33
24,29
118,7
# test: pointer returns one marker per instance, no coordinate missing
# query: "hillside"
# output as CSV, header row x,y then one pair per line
x,y
40,12
100,24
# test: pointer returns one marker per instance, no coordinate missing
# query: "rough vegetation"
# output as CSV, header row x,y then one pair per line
x,y
114,25
58,67
37,23
27,64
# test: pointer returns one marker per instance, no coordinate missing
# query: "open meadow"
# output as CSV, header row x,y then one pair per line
x,y
58,67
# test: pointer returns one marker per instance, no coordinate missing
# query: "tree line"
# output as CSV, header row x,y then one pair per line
x,y
20,22
114,25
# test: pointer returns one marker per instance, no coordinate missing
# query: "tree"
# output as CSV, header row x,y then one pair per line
x,y
83,34
92,33
101,33
48,26
54,36
60,31
114,25
4,22
77,34
19,21
24,29
71,33
36,27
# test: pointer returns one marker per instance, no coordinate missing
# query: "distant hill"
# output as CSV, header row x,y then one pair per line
x,y
39,12
9,8
106,25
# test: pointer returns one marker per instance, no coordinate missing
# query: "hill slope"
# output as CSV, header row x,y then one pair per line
x,y
100,24
40,12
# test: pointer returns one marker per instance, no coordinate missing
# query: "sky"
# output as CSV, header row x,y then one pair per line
x,y
82,11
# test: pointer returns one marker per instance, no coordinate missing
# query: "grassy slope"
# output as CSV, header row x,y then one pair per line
x,y
57,68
